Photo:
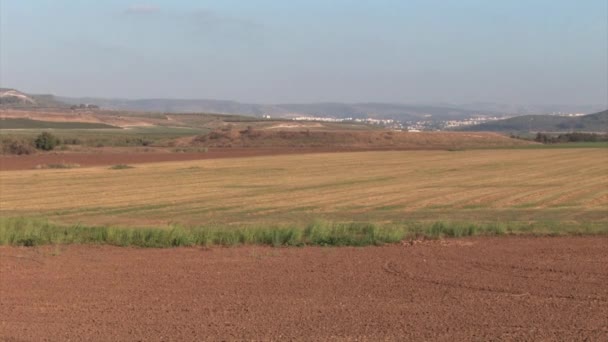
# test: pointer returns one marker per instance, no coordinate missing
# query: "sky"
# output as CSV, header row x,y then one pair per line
x,y
299,51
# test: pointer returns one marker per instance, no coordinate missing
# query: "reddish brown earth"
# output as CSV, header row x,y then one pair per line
x,y
24,162
472,289
32,161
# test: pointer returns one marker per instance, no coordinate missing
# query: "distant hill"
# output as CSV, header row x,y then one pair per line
x,y
12,98
597,122
171,105
337,110
531,109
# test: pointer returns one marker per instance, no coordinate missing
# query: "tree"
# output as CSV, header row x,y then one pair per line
x,y
46,141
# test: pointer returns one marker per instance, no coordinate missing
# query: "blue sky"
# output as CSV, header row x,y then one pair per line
x,y
277,51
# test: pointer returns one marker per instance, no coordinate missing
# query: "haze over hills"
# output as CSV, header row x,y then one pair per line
x,y
532,109
397,111
400,112
326,109
597,122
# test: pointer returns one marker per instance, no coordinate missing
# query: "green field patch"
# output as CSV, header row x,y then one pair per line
x,y
108,136
598,144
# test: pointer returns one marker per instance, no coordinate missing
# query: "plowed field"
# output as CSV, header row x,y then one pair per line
x,y
478,289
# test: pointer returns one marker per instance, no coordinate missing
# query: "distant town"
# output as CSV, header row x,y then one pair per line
x,y
427,124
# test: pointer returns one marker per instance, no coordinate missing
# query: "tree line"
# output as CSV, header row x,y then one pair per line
x,y
546,138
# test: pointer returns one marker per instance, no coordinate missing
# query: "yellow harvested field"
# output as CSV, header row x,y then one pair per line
x,y
383,187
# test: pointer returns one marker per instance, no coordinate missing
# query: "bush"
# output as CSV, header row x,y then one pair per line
x,y
46,141
18,147
570,137
72,141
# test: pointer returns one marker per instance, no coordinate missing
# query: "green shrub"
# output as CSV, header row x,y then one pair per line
x,y
46,141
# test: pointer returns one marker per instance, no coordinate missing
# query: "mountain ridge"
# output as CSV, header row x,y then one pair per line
x,y
362,110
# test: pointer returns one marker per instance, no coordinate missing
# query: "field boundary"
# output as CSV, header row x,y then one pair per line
x,y
22,231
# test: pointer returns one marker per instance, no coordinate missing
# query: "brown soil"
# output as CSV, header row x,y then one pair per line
x,y
25,162
471,289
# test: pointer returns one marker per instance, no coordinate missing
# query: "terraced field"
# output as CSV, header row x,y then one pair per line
x,y
568,185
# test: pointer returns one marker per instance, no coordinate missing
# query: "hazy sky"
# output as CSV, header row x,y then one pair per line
x,y
509,51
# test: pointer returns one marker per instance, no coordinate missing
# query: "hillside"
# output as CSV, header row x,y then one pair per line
x,y
20,118
19,123
12,98
341,139
597,122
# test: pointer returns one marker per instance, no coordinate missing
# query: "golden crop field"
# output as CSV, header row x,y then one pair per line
x,y
556,185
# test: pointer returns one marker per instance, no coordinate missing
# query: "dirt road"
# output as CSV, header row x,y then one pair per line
x,y
470,289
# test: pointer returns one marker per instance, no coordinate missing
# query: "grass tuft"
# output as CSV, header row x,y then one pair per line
x,y
57,166
120,167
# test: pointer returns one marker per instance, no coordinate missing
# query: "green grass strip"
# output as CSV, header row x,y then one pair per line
x,y
33,232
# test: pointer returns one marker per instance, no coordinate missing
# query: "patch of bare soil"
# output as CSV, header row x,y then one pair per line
x,y
474,289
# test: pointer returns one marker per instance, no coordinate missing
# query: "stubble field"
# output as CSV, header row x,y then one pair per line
x,y
567,186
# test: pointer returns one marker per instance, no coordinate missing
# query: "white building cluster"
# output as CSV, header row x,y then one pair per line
x,y
469,121
330,119
428,124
